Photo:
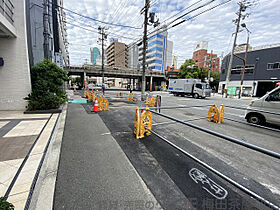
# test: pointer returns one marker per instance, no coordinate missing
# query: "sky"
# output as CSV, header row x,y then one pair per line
x,y
214,26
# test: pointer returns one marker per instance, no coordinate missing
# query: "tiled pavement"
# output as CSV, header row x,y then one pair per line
x,y
22,135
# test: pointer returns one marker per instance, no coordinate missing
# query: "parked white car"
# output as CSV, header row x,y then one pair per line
x,y
269,102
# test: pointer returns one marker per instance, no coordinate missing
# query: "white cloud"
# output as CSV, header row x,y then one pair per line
x,y
214,26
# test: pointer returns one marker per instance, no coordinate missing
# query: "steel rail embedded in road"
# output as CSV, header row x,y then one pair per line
x,y
175,107
236,184
257,110
255,125
231,139
172,122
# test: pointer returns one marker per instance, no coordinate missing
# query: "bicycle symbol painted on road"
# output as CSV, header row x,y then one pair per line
x,y
208,184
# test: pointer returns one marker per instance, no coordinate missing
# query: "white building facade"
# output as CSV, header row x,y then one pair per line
x,y
15,83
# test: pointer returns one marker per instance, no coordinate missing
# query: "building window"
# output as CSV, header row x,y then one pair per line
x,y
273,66
249,69
155,42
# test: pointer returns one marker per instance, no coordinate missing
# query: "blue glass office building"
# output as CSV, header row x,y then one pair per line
x,y
94,53
159,52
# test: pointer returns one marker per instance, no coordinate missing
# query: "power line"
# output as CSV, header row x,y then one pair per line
x,y
96,31
182,10
93,19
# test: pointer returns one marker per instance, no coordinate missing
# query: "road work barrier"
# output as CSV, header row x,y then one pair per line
x,y
103,103
151,101
132,97
143,127
215,114
120,94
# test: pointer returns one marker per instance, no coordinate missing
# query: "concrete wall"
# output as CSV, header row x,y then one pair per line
x,y
15,81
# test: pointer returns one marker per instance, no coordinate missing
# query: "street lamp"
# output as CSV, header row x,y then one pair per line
x,y
245,59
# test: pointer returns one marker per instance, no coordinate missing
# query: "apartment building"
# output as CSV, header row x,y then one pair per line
x,y
117,54
15,83
202,58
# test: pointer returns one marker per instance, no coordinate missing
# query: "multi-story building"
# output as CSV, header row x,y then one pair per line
x,y
262,70
15,83
133,54
175,61
56,32
204,59
117,54
158,53
94,55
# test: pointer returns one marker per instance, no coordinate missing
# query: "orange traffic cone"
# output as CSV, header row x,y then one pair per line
x,y
95,107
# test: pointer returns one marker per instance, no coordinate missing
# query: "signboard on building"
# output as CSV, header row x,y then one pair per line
x,y
113,40
231,91
58,59
202,45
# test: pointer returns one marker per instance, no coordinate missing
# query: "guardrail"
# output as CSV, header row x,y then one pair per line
x,y
7,9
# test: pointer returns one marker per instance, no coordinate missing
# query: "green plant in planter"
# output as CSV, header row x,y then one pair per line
x,y
5,205
46,79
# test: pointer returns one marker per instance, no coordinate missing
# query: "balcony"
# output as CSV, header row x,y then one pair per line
x,y
7,10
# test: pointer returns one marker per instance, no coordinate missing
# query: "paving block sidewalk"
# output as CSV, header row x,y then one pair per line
x,y
23,138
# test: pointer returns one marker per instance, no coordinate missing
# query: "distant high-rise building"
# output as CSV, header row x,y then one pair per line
x,y
204,59
133,54
175,61
158,53
94,55
117,54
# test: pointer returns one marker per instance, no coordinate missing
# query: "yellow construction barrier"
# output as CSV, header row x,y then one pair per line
x,y
141,122
120,94
100,103
151,101
131,97
137,123
215,114
222,113
105,104
85,93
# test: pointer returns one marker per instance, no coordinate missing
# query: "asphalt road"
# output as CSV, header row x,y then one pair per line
x,y
176,181
254,170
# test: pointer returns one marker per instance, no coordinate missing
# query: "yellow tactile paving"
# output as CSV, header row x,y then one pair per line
x,y
26,128
20,115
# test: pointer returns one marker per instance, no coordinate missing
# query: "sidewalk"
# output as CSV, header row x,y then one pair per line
x,y
94,172
23,138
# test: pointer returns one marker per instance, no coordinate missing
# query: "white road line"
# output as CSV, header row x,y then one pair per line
x,y
237,115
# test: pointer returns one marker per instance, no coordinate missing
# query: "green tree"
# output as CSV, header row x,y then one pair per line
x,y
189,70
216,80
5,205
46,79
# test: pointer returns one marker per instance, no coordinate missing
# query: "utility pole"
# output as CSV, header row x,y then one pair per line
x,y
46,29
102,39
245,60
209,71
146,9
242,8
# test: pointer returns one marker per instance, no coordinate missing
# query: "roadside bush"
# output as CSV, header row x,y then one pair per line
x,y
5,205
46,79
